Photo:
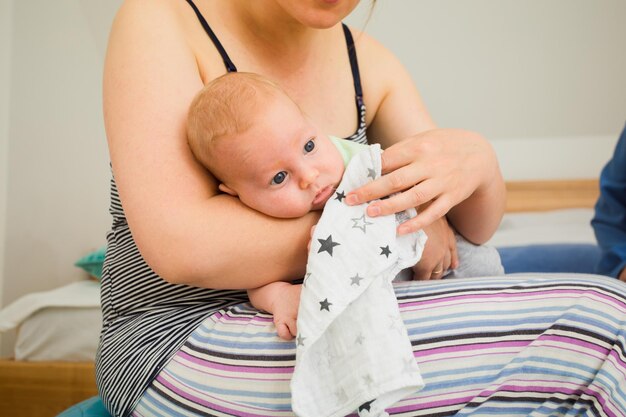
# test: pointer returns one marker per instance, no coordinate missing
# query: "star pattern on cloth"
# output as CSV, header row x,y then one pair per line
x,y
401,217
300,339
371,173
366,406
395,323
355,280
409,366
341,395
360,223
340,195
384,250
325,305
387,286
327,245
367,378
359,339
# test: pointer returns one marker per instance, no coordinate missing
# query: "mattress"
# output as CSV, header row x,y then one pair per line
x,y
59,325
556,226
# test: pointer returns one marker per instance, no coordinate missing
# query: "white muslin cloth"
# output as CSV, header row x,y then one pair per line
x,y
353,351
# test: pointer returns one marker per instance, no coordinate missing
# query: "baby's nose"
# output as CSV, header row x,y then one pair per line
x,y
308,177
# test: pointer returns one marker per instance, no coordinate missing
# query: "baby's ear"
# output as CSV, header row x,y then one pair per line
x,y
226,189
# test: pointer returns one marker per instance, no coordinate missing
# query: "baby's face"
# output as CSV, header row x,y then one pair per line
x,y
283,166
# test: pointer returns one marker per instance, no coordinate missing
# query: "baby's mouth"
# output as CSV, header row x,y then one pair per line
x,y
323,195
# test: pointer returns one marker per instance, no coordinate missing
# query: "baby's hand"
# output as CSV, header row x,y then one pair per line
x,y
285,310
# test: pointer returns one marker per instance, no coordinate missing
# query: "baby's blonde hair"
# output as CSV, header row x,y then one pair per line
x,y
228,105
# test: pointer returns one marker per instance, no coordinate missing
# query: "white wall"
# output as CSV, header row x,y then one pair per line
x,y
6,11
530,75
57,201
544,80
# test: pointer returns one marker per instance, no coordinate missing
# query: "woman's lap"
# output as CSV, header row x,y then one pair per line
x,y
499,346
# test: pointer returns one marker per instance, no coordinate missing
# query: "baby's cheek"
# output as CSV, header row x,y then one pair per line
x,y
289,205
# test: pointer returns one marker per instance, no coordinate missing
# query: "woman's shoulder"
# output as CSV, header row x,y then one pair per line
x,y
158,16
379,67
373,56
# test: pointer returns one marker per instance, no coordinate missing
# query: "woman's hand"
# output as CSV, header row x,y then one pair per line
x,y
444,167
440,252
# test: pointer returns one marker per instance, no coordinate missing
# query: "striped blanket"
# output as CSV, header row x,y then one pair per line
x,y
532,345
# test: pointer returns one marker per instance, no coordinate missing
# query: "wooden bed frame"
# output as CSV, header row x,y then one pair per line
x,y
34,389
551,195
44,389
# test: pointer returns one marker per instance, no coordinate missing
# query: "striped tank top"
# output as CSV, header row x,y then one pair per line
x,y
146,319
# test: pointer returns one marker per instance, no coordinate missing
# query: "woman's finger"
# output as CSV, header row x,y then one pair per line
x,y
396,156
437,273
396,181
436,210
422,272
447,261
454,260
413,197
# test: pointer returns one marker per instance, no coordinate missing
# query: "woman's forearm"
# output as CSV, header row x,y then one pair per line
x,y
224,244
478,216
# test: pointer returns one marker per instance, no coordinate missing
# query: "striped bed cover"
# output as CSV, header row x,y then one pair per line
x,y
532,345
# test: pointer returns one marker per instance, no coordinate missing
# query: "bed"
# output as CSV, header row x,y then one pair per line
x,y
53,367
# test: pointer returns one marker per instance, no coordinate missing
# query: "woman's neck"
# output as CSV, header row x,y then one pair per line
x,y
272,33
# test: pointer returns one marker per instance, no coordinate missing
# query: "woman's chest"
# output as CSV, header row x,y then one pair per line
x,y
323,86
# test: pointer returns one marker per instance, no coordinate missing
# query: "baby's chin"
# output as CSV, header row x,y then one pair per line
x,y
287,214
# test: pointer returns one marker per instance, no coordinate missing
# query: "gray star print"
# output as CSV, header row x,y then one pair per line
x,y
327,245
341,395
355,280
324,305
385,251
409,366
301,340
394,323
340,196
371,173
360,223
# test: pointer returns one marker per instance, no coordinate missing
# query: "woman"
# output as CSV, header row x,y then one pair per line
x,y
177,335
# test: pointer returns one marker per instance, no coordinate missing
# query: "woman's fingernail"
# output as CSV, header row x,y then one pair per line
x,y
352,199
373,211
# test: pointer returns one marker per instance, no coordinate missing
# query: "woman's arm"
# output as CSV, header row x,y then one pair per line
x,y
455,169
186,232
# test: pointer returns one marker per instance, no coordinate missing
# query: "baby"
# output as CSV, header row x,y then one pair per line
x,y
262,149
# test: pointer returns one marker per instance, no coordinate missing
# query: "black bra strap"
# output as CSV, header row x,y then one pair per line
x,y
354,65
230,67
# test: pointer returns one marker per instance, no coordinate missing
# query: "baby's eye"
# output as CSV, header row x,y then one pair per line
x,y
309,146
279,178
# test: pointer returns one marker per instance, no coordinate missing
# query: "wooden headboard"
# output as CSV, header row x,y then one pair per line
x,y
551,195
